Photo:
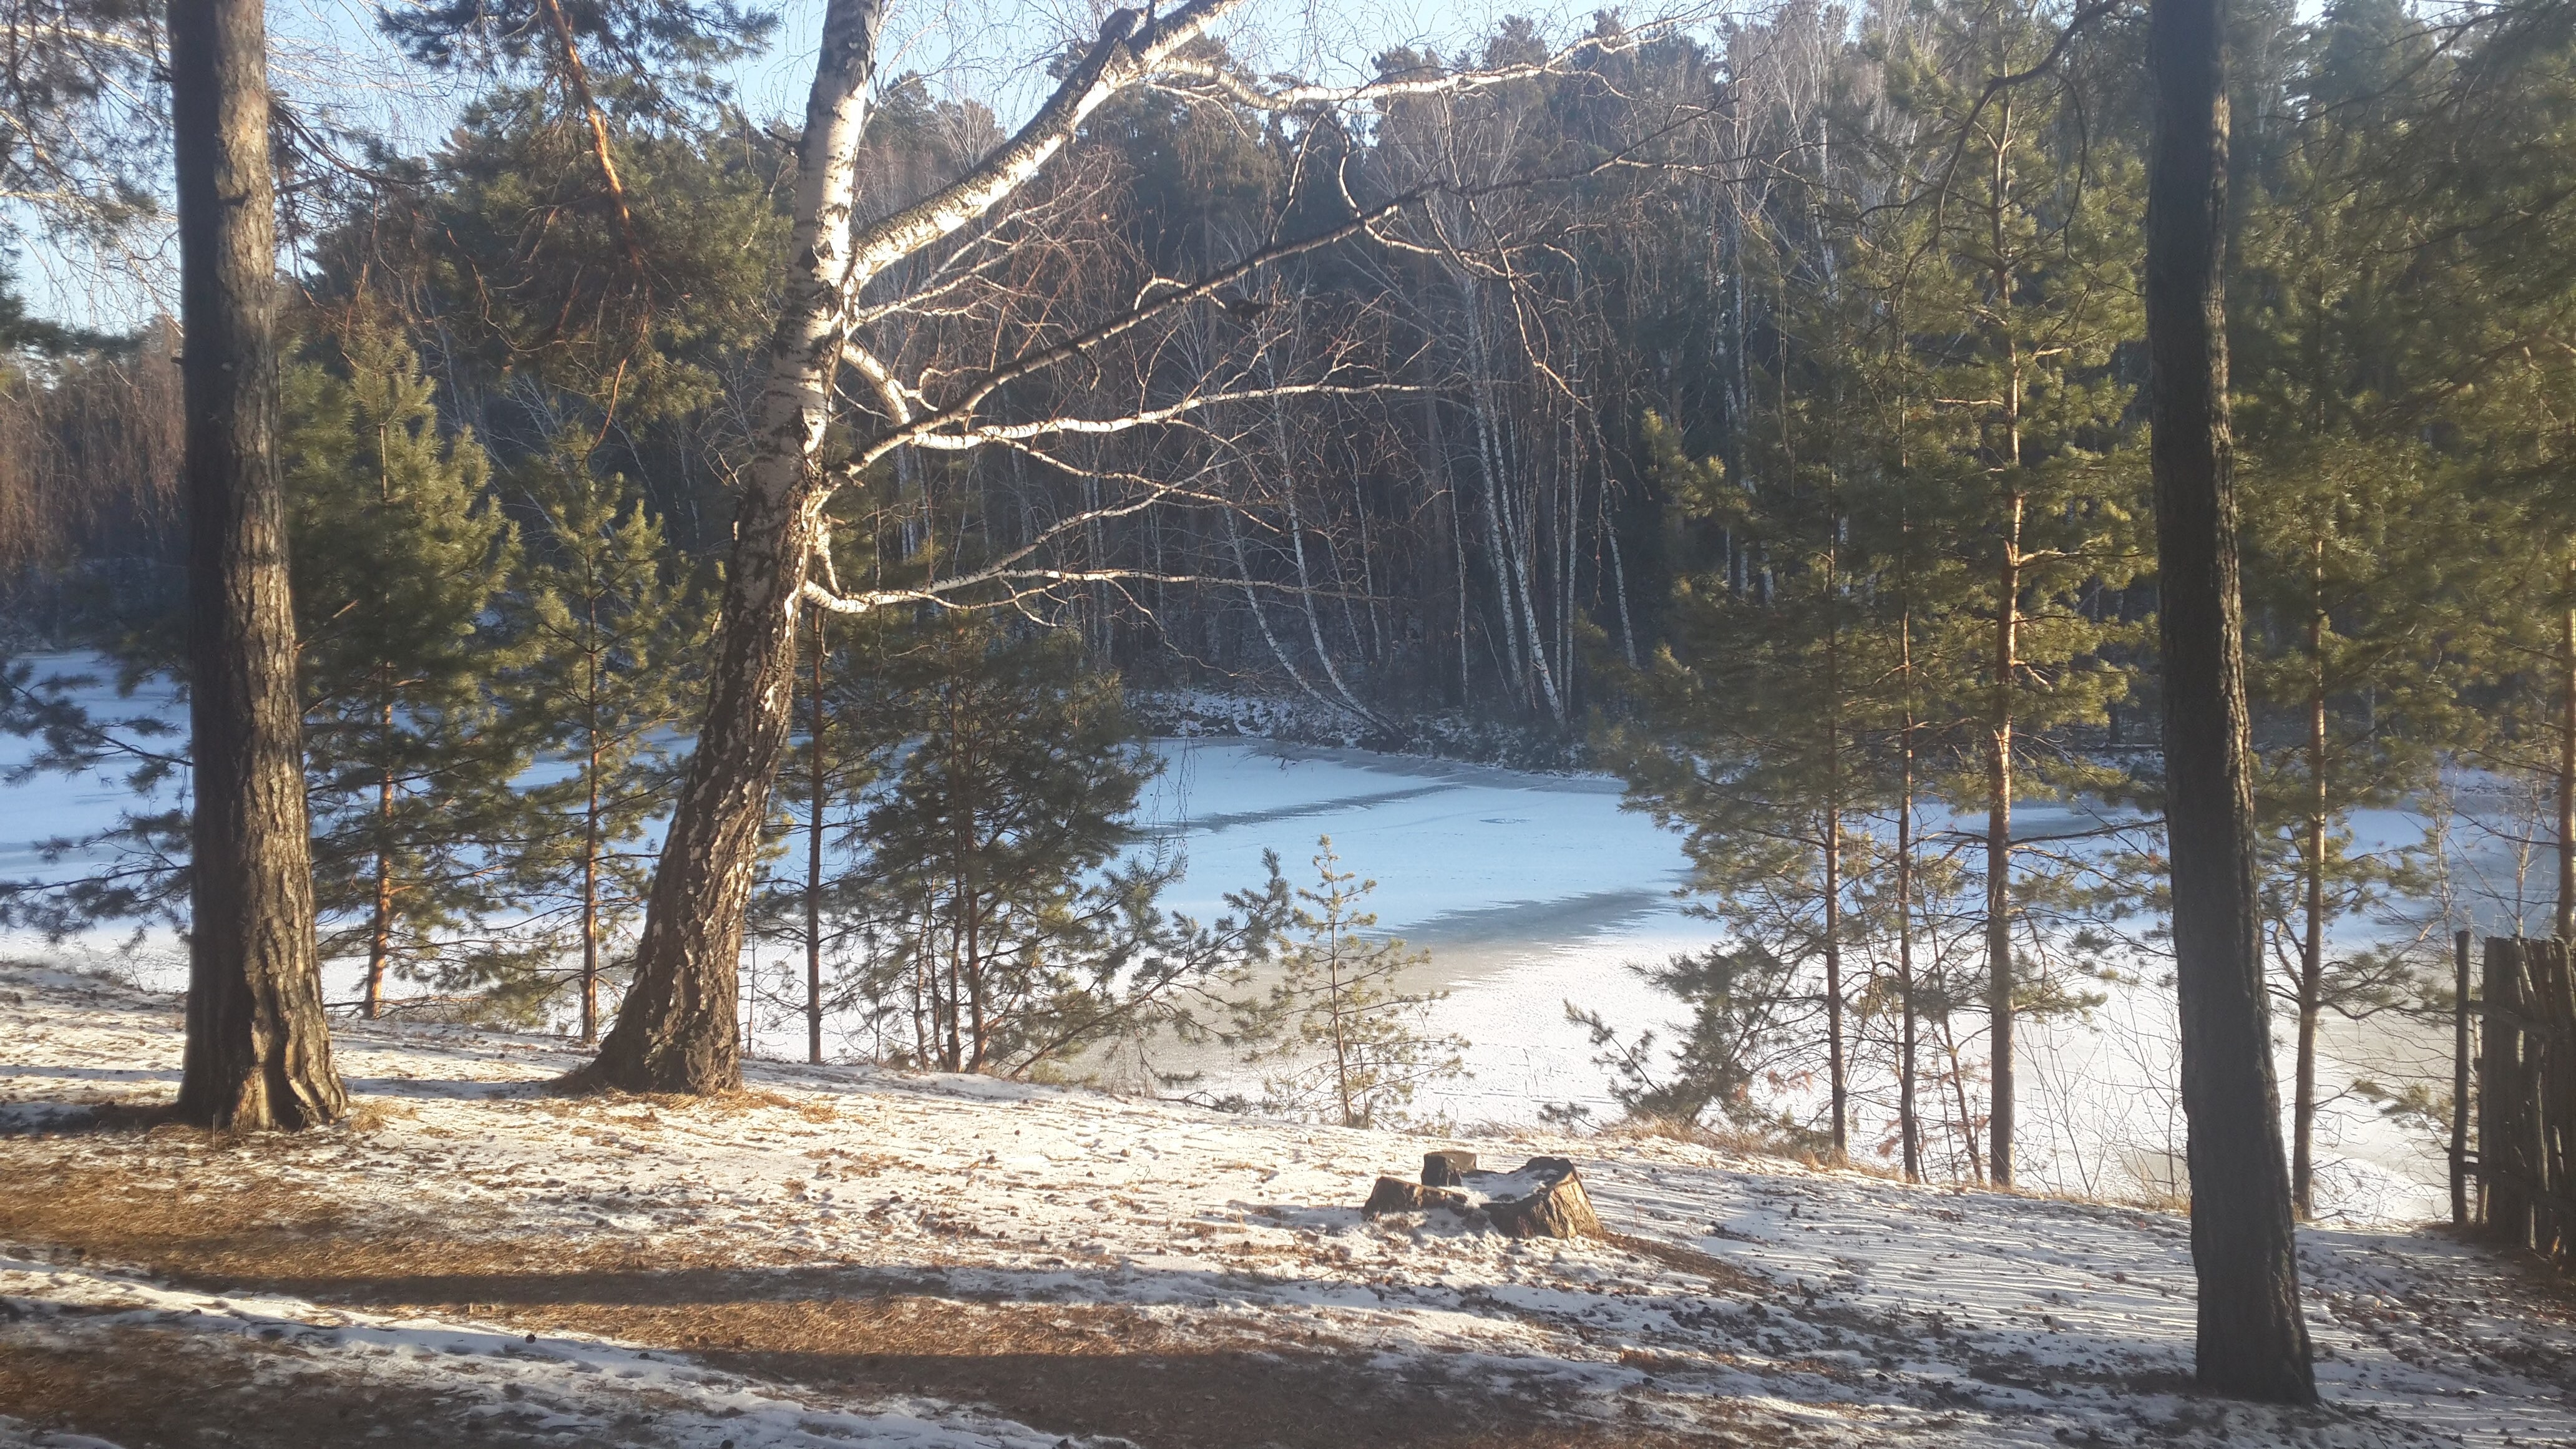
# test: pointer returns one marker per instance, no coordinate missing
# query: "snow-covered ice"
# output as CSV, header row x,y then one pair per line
x,y
1531,890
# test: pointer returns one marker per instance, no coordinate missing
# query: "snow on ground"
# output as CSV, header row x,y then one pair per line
x,y
1741,1300
1529,890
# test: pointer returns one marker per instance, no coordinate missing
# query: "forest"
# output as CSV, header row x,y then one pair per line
x,y
645,524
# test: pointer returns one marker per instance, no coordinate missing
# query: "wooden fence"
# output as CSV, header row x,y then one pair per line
x,y
2526,1091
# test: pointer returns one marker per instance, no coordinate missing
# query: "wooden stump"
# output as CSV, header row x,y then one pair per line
x,y
1543,1198
1395,1195
1447,1168
1554,1204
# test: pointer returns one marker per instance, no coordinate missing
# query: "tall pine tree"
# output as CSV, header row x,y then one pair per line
x,y
610,624
399,559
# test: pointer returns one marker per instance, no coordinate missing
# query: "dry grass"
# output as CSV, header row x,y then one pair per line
x,y
139,1386
1208,1382
1721,1274
374,1114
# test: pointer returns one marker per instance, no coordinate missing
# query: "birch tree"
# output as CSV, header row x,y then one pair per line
x,y
853,280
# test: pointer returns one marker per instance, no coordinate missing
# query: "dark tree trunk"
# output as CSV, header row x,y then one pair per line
x,y
2252,1341
679,1030
2566,921
2312,948
1999,853
1907,1114
1837,1070
259,1048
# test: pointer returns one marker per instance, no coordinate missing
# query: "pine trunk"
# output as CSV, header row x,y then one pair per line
x,y
2312,948
258,1046
1837,1073
380,923
2567,766
678,1030
590,826
1908,1127
1999,803
2252,1341
814,864
2008,583
380,920
590,896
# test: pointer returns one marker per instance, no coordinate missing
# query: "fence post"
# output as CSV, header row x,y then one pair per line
x,y
2460,1085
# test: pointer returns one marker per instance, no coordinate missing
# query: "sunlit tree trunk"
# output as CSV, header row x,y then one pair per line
x,y
2252,1341
2312,946
679,1030
1999,804
258,1046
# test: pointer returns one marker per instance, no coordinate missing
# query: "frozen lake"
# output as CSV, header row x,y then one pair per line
x,y
1531,891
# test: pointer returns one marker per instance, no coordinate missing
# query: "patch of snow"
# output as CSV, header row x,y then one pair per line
x,y
1836,1301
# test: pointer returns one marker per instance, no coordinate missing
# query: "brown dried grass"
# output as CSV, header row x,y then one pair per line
x,y
1211,1381
1721,1274
138,1385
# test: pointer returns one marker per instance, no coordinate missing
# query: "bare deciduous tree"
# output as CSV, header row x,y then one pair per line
x,y
941,316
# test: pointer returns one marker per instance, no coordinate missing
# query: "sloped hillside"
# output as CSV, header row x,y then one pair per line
x,y
845,1257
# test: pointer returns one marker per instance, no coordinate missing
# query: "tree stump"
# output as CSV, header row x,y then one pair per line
x,y
1545,1199
1447,1168
1395,1195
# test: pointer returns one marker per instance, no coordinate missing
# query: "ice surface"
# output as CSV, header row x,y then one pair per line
x,y
1533,890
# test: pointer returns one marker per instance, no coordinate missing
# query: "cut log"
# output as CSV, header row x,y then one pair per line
x,y
1447,1168
1395,1195
1545,1199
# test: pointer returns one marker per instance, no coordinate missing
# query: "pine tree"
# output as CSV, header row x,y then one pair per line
x,y
258,1049
2251,1340
2364,612
611,626
996,900
2024,293
399,559
1357,1045
1748,736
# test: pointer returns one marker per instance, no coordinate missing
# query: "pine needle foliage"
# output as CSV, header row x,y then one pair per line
x,y
612,627
399,561
1351,1043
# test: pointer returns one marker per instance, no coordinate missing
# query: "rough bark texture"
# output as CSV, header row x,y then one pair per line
x,y
2252,1341
1395,1195
259,1048
1447,1168
678,1030
1558,1208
